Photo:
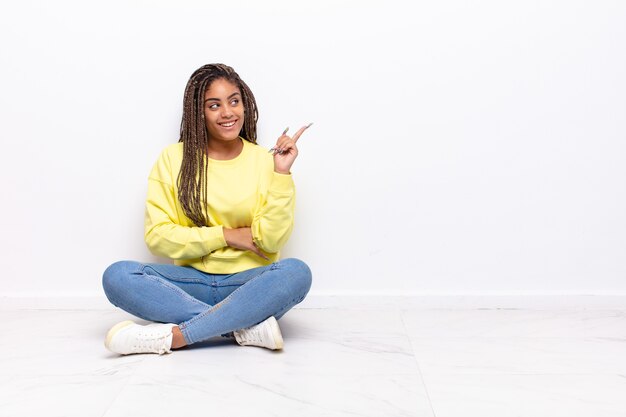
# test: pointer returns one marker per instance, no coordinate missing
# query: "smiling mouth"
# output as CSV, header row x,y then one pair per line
x,y
228,124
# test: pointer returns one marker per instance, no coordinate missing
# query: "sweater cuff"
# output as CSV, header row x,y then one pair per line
x,y
282,183
214,238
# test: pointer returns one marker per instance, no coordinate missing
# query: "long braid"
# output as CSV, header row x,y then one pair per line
x,y
192,179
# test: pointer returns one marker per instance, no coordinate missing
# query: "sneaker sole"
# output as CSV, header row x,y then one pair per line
x,y
278,337
114,330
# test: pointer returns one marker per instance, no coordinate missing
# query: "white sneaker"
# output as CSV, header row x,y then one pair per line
x,y
129,337
265,334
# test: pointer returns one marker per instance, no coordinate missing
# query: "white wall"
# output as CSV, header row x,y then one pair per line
x,y
458,147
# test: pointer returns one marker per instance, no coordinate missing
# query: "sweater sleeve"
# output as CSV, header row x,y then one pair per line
x,y
273,221
164,235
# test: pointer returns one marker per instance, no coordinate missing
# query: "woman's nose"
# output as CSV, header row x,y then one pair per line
x,y
227,112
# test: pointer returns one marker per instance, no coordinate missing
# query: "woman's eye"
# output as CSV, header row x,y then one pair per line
x,y
234,102
213,106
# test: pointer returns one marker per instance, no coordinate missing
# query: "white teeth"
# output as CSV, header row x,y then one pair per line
x,y
227,124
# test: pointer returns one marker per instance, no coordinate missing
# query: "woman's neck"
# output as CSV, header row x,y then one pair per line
x,y
224,150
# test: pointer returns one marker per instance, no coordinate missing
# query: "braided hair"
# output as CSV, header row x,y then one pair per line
x,y
192,181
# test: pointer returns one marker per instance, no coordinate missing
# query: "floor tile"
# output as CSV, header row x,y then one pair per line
x,y
516,323
314,357
61,343
527,395
59,395
278,393
521,355
336,362
342,323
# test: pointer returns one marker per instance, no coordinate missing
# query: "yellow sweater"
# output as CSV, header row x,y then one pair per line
x,y
242,192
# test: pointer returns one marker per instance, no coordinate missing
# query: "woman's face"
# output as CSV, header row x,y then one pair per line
x,y
223,110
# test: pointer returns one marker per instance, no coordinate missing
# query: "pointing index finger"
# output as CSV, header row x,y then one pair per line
x,y
300,132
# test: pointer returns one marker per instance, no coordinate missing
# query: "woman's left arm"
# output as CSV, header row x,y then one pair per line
x,y
273,223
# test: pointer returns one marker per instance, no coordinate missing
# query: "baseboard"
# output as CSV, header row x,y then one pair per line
x,y
356,301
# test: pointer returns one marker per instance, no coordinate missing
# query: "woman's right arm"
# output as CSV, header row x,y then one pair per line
x,y
241,238
166,237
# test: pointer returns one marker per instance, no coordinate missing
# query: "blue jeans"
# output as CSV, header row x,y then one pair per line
x,y
206,305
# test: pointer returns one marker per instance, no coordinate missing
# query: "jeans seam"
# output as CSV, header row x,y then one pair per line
x,y
219,284
221,304
126,309
171,278
297,301
174,288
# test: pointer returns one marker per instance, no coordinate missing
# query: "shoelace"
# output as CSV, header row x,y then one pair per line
x,y
251,335
151,340
246,338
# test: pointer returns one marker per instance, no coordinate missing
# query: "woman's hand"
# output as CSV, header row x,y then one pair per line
x,y
241,238
285,151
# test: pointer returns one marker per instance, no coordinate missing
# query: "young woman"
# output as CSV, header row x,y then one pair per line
x,y
221,207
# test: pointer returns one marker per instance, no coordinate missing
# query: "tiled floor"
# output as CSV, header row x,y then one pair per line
x,y
336,362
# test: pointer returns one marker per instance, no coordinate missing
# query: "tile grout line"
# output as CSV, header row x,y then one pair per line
x,y
419,369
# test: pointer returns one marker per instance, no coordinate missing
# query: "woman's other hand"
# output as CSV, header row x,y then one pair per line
x,y
285,150
241,238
